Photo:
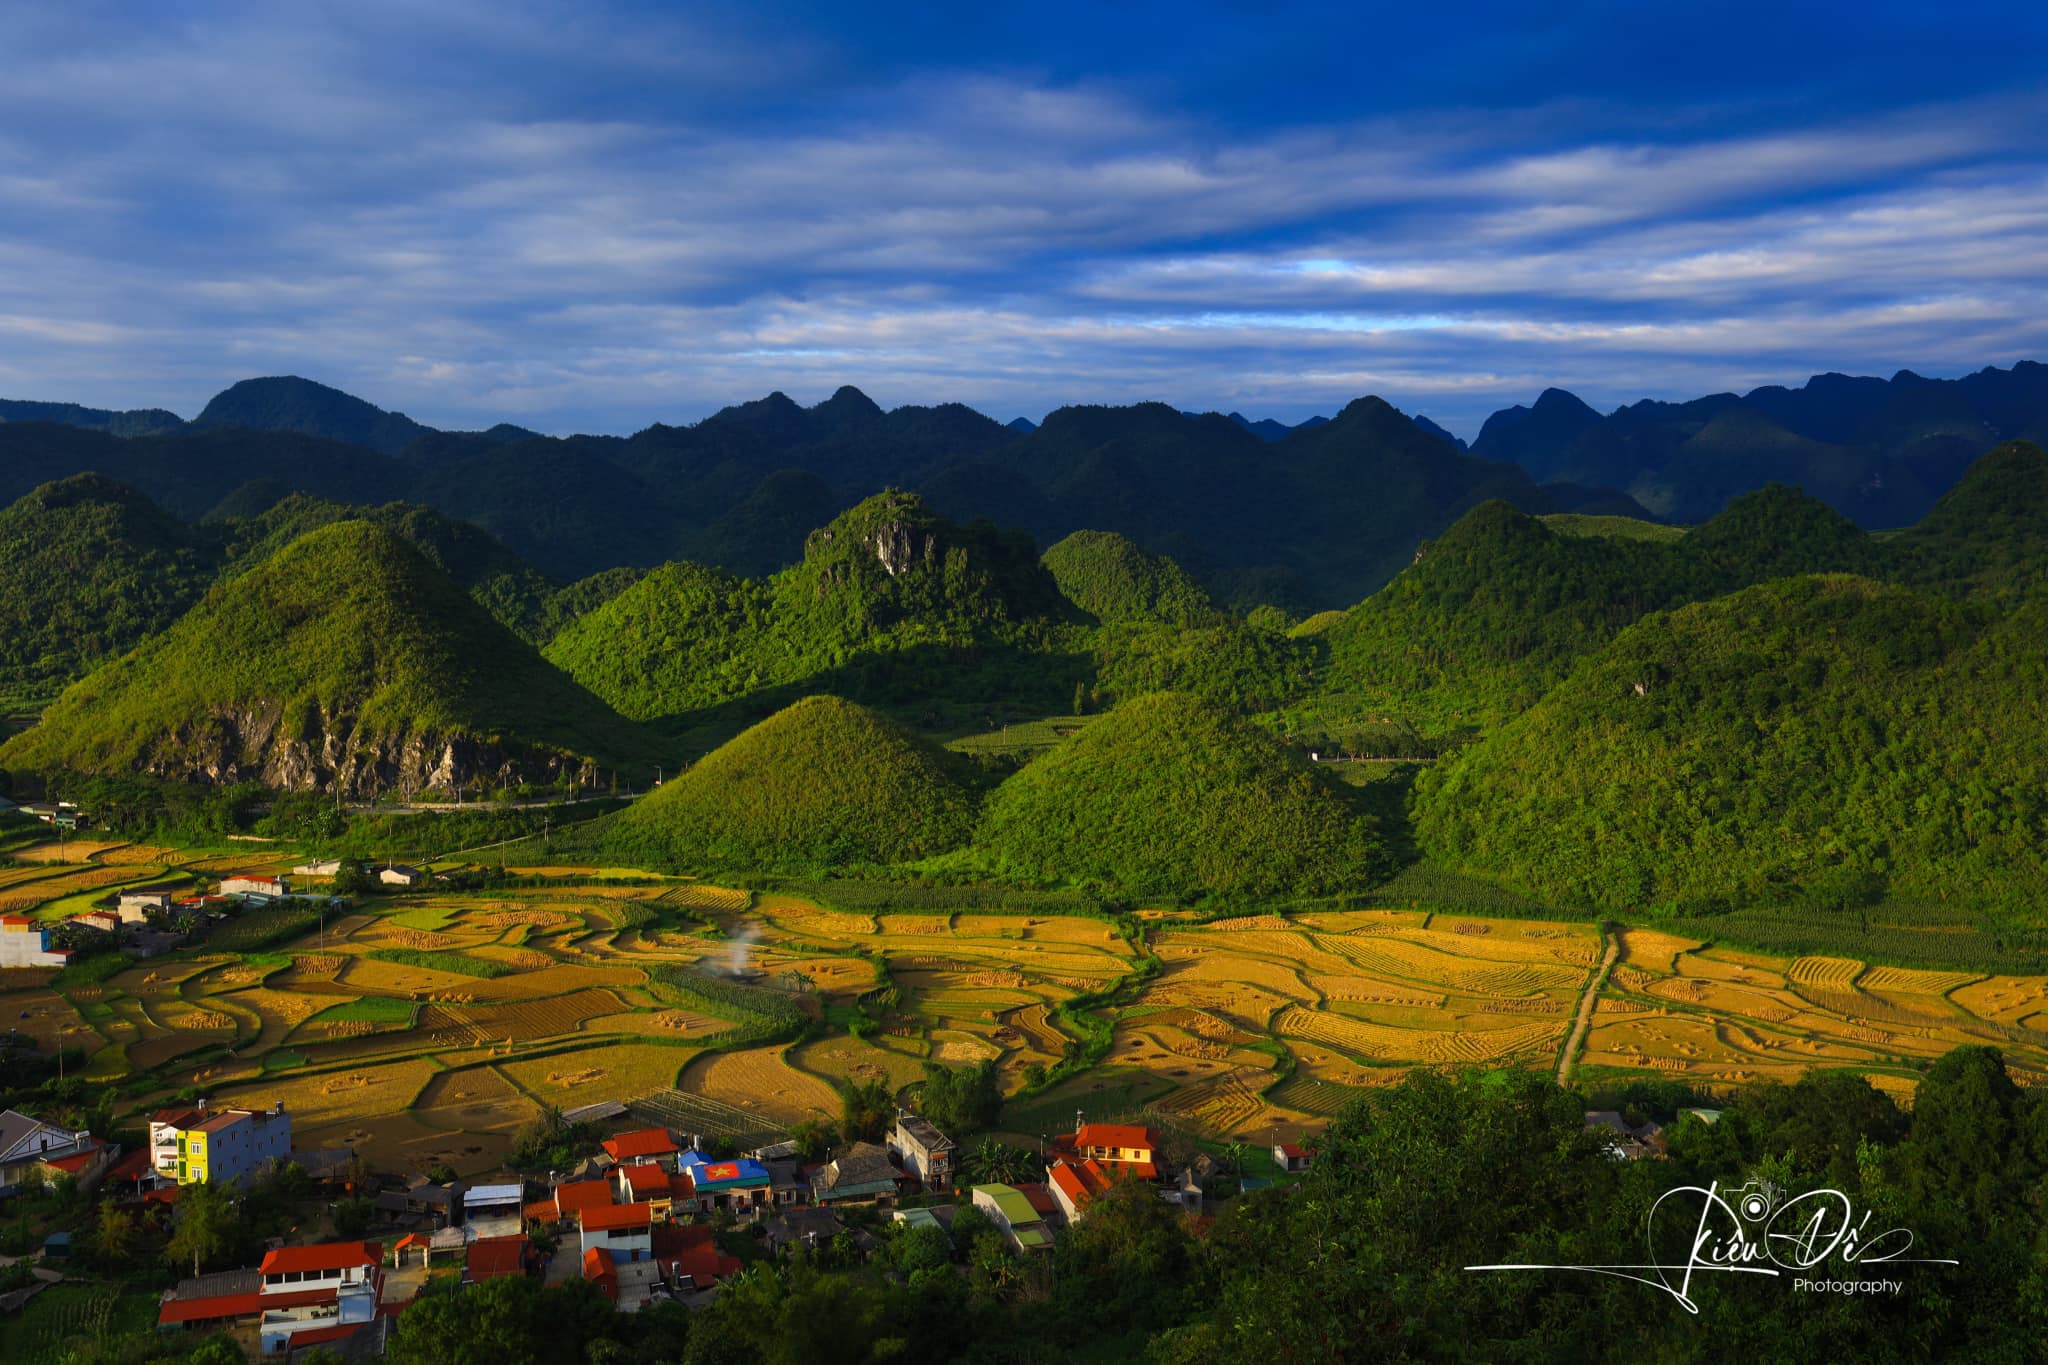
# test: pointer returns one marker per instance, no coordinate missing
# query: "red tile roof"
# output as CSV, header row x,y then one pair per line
x,y
618,1216
72,1165
578,1195
644,1142
598,1268
693,1251
1070,1183
490,1258
645,1178
325,1256
131,1166
1115,1135
16,921
1293,1151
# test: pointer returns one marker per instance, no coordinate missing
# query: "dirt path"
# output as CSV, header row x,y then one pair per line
x,y
1586,1003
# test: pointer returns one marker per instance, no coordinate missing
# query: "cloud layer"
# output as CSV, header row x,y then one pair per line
x,y
586,219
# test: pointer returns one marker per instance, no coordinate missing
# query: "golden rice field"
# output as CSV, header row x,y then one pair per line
x,y
1255,1023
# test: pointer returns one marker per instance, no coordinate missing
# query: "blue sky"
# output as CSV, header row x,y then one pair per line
x,y
590,217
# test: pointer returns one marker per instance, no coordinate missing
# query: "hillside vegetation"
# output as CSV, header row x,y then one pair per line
x,y
886,578
345,658
1109,577
1820,739
1170,796
88,567
1499,609
821,784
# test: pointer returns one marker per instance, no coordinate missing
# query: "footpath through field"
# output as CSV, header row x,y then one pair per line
x,y
1586,1004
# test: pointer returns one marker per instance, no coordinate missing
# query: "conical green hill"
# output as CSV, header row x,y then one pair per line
x,y
346,657
822,783
1170,796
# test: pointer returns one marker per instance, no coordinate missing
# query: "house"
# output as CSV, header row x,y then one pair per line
x,y
245,885
1074,1186
921,1147
498,1258
690,1259
740,1185
1290,1156
787,1187
812,1228
865,1175
573,1199
622,1231
326,867
630,1285
298,1296
923,1218
398,874
1631,1141
36,1155
1124,1144
199,1146
25,942
644,1182
106,921
1012,1211
492,1211
642,1144
135,907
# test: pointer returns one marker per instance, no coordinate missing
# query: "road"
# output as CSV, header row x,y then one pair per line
x,y
1586,1004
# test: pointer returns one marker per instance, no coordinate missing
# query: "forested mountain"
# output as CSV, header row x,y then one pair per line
x,y
346,659
914,603
139,422
88,567
1878,451
1307,516
288,403
1502,606
1820,739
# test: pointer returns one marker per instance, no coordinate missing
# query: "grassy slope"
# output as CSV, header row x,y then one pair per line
x,y
351,622
1167,795
823,783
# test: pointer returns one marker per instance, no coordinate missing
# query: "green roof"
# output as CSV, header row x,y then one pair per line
x,y
919,1218
1031,1238
1011,1203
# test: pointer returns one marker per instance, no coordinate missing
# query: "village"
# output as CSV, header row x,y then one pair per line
x,y
650,1216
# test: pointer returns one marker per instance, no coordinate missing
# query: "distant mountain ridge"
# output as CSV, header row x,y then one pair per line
x,y
1879,451
1308,517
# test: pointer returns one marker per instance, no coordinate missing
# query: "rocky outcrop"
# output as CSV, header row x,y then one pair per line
x,y
324,751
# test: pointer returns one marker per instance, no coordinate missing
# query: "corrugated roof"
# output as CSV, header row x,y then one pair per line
x,y
1010,1202
1114,1135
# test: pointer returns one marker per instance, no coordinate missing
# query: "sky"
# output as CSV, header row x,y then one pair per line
x,y
593,216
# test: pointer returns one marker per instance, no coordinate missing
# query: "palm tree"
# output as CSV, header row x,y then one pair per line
x,y
991,1162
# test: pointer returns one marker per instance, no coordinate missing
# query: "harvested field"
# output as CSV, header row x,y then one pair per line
x,y
851,1061
759,1080
604,1072
345,1095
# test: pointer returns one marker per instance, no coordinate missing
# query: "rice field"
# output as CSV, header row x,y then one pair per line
x,y
757,1081
369,1038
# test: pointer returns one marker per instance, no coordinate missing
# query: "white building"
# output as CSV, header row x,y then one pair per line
x,y
254,886
25,942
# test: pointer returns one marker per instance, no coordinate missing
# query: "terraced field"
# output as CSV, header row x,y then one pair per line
x,y
427,1027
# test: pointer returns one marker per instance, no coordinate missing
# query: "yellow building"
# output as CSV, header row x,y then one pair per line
x,y
199,1146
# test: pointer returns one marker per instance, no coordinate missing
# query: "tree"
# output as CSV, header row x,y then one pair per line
x,y
352,1216
509,1321
962,1099
990,1162
813,1139
114,1237
866,1109
204,1226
